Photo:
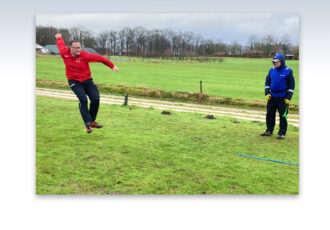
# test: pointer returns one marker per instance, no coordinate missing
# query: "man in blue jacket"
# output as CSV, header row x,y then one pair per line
x,y
279,89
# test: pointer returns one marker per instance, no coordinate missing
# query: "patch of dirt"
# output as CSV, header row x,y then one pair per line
x,y
113,193
166,112
210,117
236,122
156,165
179,170
90,157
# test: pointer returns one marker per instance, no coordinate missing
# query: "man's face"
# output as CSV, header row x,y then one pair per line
x,y
75,48
277,64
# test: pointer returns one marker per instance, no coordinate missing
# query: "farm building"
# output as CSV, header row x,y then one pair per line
x,y
219,54
90,50
53,49
253,53
290,57
40,49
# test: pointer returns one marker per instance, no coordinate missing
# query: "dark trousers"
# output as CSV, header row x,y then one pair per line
x,y
276,103
81,89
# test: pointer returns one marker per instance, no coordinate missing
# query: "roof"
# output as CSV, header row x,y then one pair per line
x,y
253,51
89,50
52,48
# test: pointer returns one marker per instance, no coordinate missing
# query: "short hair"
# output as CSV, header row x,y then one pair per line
x,y
73,42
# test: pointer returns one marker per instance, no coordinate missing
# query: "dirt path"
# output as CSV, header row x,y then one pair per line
x,y
243,114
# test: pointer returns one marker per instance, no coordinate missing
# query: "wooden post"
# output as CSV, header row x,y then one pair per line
x,y
201,91
126,98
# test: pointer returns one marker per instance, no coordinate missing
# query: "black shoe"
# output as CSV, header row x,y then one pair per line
x,y
266,133
96,125
89,128
280,136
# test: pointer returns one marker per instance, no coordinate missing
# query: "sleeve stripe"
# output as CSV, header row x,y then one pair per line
x,y
267,87
290,90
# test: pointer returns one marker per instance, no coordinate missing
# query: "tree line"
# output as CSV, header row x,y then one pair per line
x,y
139,41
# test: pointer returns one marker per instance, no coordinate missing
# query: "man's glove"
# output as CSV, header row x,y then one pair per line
x,y
268,96
287,101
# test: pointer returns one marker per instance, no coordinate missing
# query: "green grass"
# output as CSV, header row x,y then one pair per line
x,y
234,77
140,151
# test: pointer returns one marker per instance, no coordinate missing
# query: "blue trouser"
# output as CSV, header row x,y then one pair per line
x,y
277,103
81,89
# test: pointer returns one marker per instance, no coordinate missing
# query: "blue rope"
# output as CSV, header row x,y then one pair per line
x,y
266,159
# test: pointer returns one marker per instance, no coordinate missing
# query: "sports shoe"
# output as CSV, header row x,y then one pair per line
x,y
280,136
266,133
96,125
89,129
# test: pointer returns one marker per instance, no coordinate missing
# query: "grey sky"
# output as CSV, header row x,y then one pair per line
x,y
224,27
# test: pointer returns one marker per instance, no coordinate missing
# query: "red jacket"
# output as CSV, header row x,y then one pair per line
x,y
77,67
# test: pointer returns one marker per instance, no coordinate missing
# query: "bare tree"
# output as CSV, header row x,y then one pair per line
x,y
127,34
295,51
197,42
102,42
268,43
122,41
65,35
175,43
221,47
45,35
141,38
88,39
253,39
113,41
235,48
77,33
286,43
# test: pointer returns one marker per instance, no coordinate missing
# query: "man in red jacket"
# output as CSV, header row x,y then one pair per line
x,y
79,77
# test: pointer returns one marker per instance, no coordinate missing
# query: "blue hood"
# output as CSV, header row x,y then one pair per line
x,y
282,60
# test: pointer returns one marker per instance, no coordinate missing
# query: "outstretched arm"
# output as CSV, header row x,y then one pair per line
x,y
99,58
60,43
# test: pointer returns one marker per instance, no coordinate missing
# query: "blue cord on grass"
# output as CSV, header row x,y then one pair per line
x,y
266,159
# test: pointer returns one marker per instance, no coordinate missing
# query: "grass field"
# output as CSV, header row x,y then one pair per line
x,y
234,77
140,151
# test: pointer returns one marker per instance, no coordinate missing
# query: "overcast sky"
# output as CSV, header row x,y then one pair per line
x,y
224,27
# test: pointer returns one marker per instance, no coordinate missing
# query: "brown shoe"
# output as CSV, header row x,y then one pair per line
x,y
96,125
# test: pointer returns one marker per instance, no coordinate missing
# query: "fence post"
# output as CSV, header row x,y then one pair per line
x,y
126,98
201,91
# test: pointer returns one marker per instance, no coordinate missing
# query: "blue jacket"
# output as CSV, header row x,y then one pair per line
x,y
280,81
